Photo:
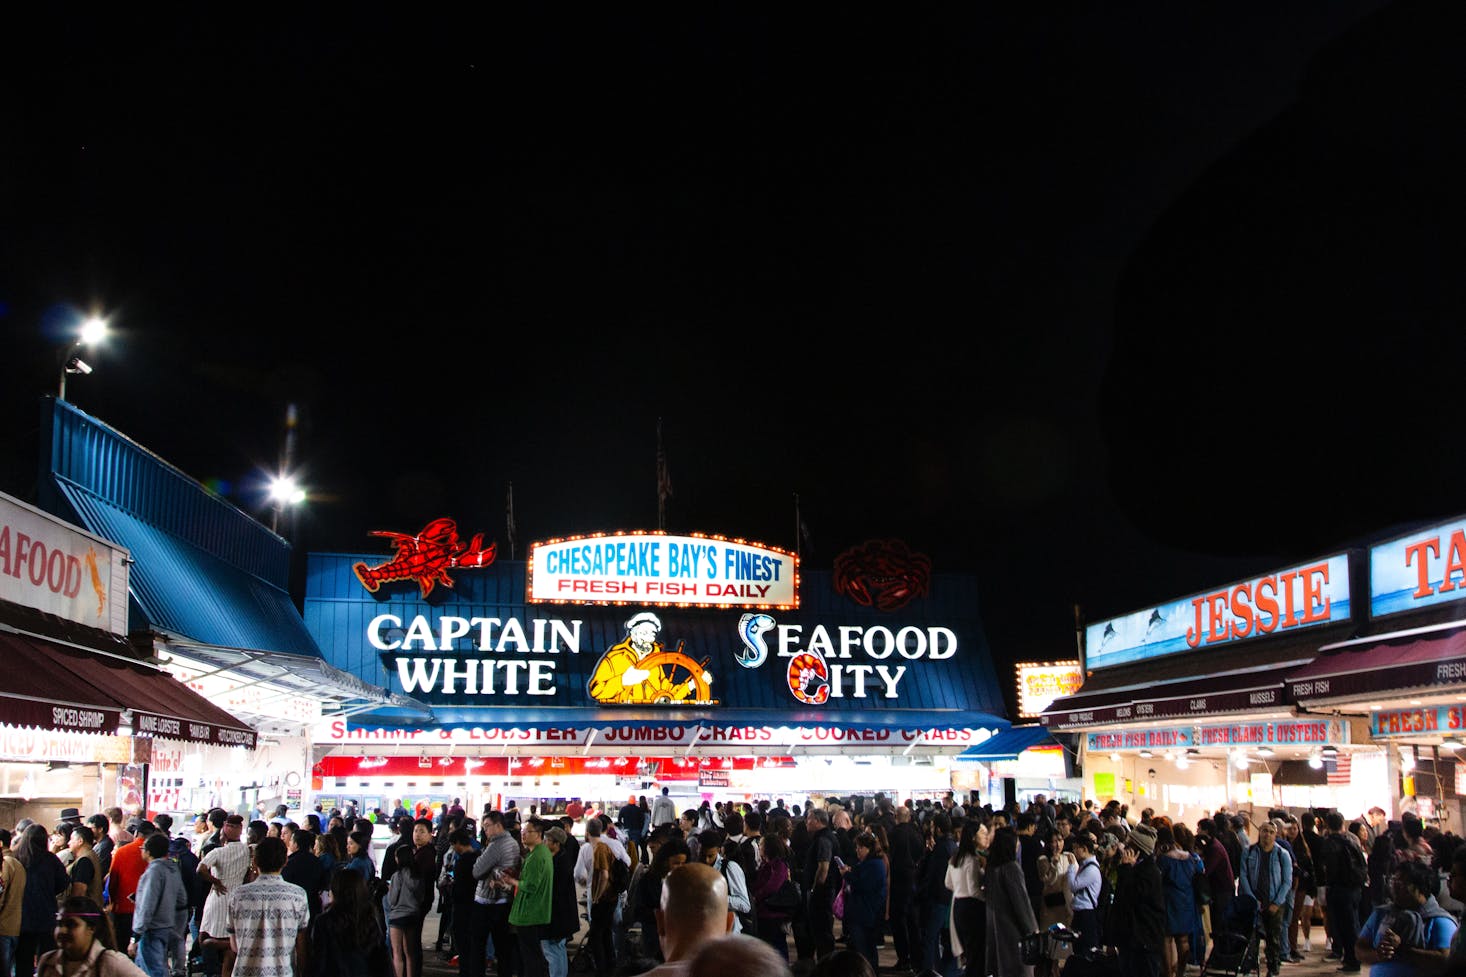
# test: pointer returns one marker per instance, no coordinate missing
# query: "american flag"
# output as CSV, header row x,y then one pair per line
x,y
1338,770
664,480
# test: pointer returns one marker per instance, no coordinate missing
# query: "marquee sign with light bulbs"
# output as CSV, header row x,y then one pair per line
x,y
659,569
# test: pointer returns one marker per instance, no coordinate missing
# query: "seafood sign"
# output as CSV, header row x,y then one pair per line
x,y
52,566
427,557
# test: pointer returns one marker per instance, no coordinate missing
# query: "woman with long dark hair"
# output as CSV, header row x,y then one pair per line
x,y
883,852
45,880
84,944
346,938
1179,867
405,911
969,911
1009,912
326,850
865,899
359,857
773,871
673,853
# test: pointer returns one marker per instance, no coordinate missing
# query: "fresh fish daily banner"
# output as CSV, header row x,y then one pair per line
x,y
1308,595
661,569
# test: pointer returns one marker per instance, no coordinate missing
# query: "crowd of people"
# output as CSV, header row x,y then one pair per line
x,y
952,889
1092,891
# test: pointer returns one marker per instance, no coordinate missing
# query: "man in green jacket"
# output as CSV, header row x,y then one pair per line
x,y
530,914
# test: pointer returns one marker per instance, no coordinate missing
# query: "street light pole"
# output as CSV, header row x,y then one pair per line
x,y
66,368
92,332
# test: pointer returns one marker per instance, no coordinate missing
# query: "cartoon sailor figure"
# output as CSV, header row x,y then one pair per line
x,y
637,669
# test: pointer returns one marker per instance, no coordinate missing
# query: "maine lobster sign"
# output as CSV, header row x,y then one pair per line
x,y
427,557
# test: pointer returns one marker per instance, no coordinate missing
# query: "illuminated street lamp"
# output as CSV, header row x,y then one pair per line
x,y
93,331
284,491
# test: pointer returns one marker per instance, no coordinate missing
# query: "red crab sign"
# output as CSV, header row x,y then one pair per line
x,y
427,557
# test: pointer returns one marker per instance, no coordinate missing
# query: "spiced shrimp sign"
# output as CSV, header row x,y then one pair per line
x,y
658,569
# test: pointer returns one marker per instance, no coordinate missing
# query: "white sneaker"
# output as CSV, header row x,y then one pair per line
x,y
1307,946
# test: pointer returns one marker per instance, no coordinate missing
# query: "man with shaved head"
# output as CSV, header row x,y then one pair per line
x,y
737,954
694,911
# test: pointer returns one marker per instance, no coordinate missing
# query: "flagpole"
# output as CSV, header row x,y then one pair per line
x,y
796,526
664,481
510,527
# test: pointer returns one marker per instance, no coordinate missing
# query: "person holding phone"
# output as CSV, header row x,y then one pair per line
x,y
1137,920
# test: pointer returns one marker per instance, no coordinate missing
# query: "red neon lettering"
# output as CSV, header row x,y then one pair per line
x,y
1193,633
1218,630
1455,562
1315,604
1242,610
1264,597
1422,568
1290,619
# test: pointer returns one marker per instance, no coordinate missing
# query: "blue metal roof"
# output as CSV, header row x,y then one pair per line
x,y
1008,744
204,570
960,692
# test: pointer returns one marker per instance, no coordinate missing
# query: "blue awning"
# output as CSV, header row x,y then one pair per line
x,y
1007,745
549,717
185,591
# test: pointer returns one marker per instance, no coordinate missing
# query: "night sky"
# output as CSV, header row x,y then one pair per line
x,y
1106,306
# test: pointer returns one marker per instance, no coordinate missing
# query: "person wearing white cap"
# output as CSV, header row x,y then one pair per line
x,y
617,677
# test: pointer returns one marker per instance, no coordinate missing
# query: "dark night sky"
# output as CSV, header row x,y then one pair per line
x,y
1105,305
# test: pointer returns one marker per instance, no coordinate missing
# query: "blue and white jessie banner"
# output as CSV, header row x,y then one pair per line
x,y
1304,596
1422,569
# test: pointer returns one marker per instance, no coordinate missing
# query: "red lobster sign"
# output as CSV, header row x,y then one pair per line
x,y
427,557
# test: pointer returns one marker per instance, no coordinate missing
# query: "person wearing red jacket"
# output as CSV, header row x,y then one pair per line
x,y
123,877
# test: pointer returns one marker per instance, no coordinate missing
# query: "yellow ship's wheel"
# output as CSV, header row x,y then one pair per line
x,y
671,673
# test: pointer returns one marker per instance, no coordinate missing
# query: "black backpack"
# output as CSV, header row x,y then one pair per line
x,y
1102,903
620,875
1350,864
742,853
748,921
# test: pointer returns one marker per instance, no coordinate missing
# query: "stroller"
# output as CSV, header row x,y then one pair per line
x,y
1054,947
1235,945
